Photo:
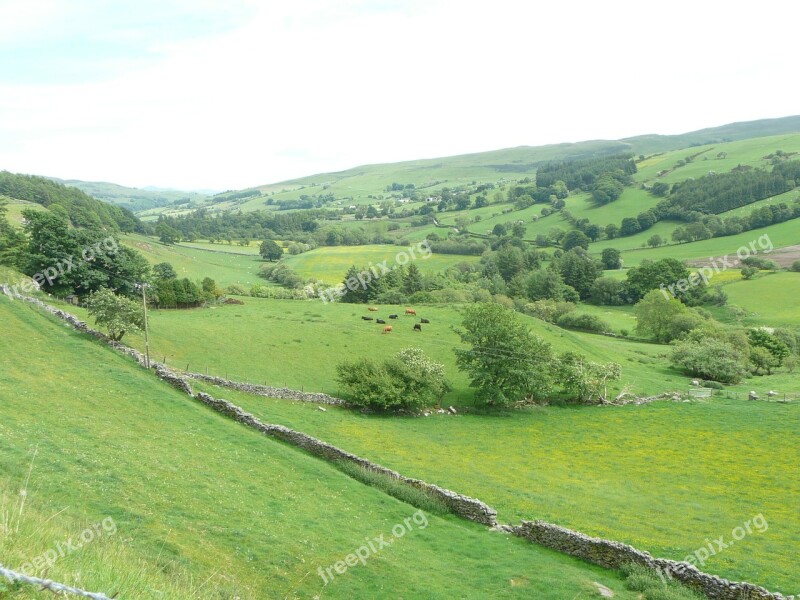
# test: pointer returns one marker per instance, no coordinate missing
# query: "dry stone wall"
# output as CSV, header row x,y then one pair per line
x,y
605,553
269,391
613,555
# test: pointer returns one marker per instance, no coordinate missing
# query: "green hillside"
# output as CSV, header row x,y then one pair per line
x,y
203,507
135,199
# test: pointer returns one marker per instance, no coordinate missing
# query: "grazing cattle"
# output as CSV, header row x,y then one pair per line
x,y
367,318
380,321
417,327
387,329
392,316
373,309
424,321
411,311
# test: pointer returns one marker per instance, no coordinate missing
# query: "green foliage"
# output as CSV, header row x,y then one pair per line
x,y
575,239
611,259
179,293
164,270
709,358
762,338
549,310
795,266
654,587
652,275
583,380
166,234
117,314
270,250
506,363
608,291
578,270
81,209
583,322
663,318
282,275
749,272
763,359
79,261
407,381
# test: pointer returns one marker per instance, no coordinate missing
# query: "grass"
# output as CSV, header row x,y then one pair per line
x,y
206,508
662,477
765,298
331,263
196,264
275,341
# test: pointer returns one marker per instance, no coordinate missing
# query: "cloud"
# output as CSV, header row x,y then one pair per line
x,y
227,95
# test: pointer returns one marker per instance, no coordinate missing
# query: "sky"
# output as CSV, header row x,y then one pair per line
x,y
218,95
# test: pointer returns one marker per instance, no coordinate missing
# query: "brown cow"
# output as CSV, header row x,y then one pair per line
x,y
387,329
373,309
411,311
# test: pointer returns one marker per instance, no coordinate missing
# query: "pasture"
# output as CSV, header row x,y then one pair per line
x,y
276,341
663,477
330,264
222,267
770,299
206,508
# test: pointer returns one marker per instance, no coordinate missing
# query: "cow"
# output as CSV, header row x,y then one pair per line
x,y
373,309
367,318
380,321
387,329
417,327
392,316
424,321
411,311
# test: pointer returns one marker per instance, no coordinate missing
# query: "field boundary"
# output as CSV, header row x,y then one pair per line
x,y
50,586
599,551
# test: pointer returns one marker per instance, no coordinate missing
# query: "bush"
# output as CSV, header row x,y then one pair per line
x,y
237,290
795,266
584,322
710,358
407,381
652,587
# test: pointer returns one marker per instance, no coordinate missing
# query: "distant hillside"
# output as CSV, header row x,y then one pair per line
x,y
81,209
135,199
651,143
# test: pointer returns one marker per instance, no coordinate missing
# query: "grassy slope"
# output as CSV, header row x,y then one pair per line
x,y
663,477
770,299
225,268
208,507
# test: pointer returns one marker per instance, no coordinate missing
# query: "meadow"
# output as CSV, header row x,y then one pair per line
x,y
299,344
663,477
205,508
223,267
330,264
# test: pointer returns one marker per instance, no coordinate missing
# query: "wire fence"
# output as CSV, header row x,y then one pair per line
x,y
51,586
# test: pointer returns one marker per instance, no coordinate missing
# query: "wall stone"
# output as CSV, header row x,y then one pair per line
x,y
613,555
269,391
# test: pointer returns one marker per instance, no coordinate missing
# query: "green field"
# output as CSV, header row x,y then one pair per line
x,y
663,477
223,267
203,507
330,264
770,299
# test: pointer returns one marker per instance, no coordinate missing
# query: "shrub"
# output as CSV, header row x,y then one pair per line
x,y
710,358
795,266
584,322
549,310
237,290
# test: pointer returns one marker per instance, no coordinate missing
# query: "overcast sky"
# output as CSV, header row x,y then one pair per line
x,y
207,94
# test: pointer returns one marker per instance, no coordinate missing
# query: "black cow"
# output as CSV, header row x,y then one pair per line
x,y
424,321
367,318
381,321
392,316
417,327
